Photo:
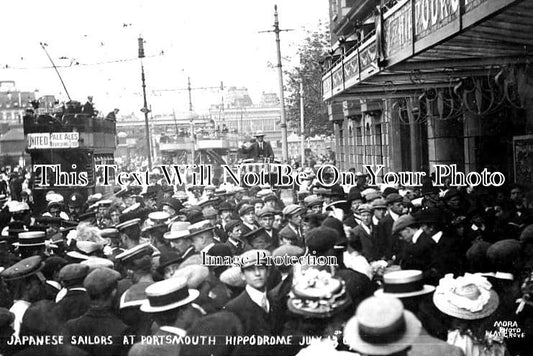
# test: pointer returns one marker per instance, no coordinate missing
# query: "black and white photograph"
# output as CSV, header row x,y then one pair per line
x,y
266,177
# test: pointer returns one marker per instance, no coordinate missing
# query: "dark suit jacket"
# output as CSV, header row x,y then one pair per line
x,y
98,322
289,234
238,250
254,319
245,229
73,305
254,151
163,349
350,221
447,257
417,255
368,242
264,241
384,237
190,251
280,296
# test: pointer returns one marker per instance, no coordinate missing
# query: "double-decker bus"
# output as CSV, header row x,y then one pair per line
x,y
69,142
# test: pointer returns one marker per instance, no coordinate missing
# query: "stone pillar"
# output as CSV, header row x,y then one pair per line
x,y
395,141
445,139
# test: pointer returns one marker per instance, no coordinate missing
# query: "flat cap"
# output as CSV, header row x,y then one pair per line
x,y
23,269
266,211
209,212
245,209
402,222
73,271
313,200
379,203
100,280
233,277
292,209
394,198
365,208
288,250
231,224
169,258
194,274
97,262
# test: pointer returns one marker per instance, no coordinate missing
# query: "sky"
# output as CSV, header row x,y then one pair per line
x,y
94,44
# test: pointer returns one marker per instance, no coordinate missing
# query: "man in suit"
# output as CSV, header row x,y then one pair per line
x,y
387,246
447,250
291,234
364,232
253,306
247,214
416,246
354,200
101,285
258,149
235,242
73,301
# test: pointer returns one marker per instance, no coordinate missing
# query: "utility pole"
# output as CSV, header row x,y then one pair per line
x,y
302,148
191,117
283,125
145,109
189,89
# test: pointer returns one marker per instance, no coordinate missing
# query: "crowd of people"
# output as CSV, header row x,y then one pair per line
x,y
418,271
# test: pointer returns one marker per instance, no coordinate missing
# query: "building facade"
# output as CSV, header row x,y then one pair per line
x,y
245,120
415,83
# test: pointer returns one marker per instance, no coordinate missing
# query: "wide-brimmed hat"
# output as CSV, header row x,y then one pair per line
x,y
259,133
167,295
381,326
469,297
404,284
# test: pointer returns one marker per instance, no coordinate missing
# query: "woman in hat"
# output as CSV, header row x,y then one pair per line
x,y
470,300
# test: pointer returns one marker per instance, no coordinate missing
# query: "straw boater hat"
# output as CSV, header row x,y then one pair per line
x,y
167,295
404,284
469,297
381,326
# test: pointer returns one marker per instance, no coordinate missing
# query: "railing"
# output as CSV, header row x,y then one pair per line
x,y
405,30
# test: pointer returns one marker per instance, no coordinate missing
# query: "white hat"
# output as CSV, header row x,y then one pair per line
x,y
167,295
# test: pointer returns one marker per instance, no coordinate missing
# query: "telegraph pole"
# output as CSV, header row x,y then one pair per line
x,y
302,148
145,109
277,30
191,116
